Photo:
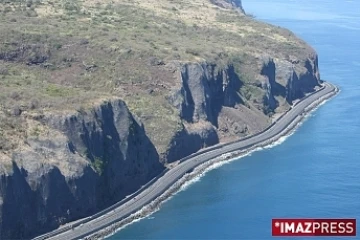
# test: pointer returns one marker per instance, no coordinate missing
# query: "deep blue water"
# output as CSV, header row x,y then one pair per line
x,y
314,173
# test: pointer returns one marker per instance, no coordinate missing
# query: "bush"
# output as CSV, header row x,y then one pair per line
x,y
192,51
29,3
99,165
7,9
3,70
16,111
72,7
31,13
34,103
57,46
15,95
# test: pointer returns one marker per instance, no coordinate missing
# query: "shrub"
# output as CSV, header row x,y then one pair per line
x,y
99,165
15,95
192,51
31,13
3,70
34,103
29,3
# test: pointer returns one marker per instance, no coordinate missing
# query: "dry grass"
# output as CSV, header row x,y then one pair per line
x,y
62,54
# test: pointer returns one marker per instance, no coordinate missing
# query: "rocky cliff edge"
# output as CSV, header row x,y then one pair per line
x,y
109,118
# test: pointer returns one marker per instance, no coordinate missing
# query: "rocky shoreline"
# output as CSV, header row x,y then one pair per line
x,y
99,117
155,204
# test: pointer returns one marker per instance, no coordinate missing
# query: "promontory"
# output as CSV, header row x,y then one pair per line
x,y
98,97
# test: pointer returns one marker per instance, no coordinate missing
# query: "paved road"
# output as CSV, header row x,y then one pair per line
x,y
171,176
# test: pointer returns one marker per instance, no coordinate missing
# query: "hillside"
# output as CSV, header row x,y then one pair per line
x,y
98,97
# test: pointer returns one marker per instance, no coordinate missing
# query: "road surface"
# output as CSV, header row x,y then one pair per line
x,y
92,225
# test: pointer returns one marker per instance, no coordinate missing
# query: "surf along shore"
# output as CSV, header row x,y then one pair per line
x,y
148,199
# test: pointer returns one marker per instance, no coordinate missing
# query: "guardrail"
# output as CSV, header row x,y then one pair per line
x,y
184,159
116,205
218,146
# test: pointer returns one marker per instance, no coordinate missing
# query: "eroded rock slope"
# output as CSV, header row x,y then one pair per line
x,y
85,121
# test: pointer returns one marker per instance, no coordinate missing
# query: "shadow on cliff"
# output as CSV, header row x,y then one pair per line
x,y
121,159
225,95
120,151
206,89
269,70
30,209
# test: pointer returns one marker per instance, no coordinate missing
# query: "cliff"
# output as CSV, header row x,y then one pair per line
x,y
215,104
96,100
229,4
76,165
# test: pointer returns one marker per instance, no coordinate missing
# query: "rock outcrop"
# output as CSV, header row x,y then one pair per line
x,y
296,78
83,163
202,89
58,165
213,106
229,4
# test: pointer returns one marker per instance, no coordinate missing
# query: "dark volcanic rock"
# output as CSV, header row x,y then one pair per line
x,y
190,140
204,90
91,160
70,165
229,4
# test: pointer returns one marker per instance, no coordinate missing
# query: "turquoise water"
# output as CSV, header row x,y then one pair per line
x,y
314,173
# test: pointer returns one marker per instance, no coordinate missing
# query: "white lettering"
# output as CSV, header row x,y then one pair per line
x,y
325,227
316,226
308,227
289,227
349,227
341,227
333,227
299,228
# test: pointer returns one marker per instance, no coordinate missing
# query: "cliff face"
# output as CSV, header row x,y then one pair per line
x,y
79,163
58,164
213,107
229,4
202,89
297,77
88,160
85,162
200,92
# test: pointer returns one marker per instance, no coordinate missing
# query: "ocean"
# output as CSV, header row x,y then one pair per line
x,y
315,173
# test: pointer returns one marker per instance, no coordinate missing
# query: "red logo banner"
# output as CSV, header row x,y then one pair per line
x,y
314,227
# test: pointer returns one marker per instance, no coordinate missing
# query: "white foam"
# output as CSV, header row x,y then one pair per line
x,y
139,215
148,210
277,142
218,163
124,226
318,106
214,164
188,183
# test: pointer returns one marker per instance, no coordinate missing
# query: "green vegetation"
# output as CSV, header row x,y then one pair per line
x,y
66,54
10,130
99,165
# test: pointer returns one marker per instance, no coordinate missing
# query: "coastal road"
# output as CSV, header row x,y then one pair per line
x,y
154,190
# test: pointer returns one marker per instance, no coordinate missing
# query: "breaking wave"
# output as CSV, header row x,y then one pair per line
x,y
195,176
